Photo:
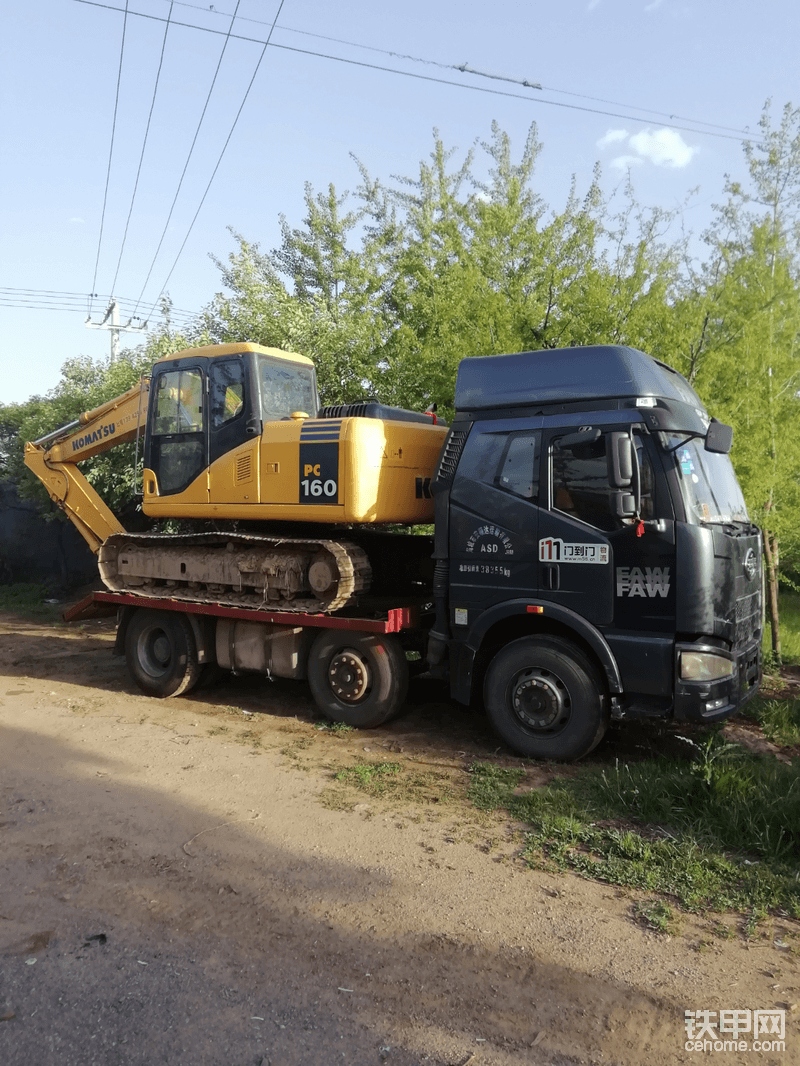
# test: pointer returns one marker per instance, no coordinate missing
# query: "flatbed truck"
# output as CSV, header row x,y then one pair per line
x,y
592,558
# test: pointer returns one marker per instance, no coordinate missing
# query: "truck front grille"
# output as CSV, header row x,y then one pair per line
x,y
747,624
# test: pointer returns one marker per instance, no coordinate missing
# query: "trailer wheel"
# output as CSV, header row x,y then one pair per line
x,y
161,653
359,679
545,700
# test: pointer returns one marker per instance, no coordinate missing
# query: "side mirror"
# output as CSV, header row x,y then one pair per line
x,y
719,438
623,505
620,460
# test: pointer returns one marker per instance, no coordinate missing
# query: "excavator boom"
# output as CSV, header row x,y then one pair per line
x,y
54,460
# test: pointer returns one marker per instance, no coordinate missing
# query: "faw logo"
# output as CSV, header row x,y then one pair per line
x,y
642,581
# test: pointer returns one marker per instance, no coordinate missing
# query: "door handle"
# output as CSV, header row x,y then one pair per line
x,y
551,577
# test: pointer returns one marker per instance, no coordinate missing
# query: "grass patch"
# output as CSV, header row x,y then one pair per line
x,y
779,719
655,914
30,599
370,777
337,728
789,612
721,832
402,785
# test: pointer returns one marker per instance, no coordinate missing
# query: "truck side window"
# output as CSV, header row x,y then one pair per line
x,y
648,477
519,470
580,485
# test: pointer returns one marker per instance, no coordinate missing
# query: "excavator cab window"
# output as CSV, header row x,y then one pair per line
x,y
177,446
286,388
179,402
226,386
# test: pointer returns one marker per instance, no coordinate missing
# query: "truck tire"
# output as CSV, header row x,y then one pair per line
x,y
545,699
360,679
161,653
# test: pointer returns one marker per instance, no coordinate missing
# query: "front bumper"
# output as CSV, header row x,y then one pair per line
x,y
711,701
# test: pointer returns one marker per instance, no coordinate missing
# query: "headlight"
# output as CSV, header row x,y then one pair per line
x,y
704,666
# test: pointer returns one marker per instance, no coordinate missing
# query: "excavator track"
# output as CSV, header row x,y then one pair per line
x,y
237,570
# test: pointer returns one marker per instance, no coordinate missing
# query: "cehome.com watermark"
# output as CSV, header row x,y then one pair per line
x,y
735,1030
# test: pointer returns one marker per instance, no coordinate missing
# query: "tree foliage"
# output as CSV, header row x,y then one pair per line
x,y
84,384
389,287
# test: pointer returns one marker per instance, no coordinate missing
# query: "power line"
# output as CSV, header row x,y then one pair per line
x,y
78,296
144,146
726,132
224,148
110,150
715,130
465,68
498,92
55,300
189,156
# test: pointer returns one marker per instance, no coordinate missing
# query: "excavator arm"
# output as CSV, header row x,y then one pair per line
x,y
54,459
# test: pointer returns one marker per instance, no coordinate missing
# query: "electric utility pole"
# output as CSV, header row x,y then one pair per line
x,y
111,321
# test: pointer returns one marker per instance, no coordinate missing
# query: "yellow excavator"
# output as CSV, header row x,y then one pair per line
x,y
233,436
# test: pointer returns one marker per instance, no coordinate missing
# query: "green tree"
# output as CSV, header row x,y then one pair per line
x,y
750,372
84,384
326,317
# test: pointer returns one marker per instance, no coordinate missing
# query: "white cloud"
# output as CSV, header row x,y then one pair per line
x,y
612,137
662,148
77,221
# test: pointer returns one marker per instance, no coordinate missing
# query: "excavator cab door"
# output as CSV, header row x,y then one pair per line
x,y
177,450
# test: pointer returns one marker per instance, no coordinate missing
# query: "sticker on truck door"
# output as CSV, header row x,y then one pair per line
x,y
489,540
555,550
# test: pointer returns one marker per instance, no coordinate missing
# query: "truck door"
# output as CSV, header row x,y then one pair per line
x,y
590,560
494,511
576,525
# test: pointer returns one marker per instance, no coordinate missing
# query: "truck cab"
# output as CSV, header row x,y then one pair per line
x,y
594,554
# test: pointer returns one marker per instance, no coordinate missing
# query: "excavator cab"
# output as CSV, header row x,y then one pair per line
x,y
236,432
205,403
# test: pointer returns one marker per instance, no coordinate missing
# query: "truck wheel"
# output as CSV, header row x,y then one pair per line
x,y
161,653
359,679
544,699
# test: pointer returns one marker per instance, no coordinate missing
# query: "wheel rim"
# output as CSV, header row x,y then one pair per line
x,y
349,676
154,652
541,701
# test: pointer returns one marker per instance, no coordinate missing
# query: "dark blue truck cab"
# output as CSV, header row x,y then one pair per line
x,y
594,556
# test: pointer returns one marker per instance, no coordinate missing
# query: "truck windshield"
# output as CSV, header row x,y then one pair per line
x,y
710,491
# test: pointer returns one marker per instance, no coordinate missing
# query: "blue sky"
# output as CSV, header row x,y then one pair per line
x,y
655,87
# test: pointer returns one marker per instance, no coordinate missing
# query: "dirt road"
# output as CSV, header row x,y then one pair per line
x,y
185,882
